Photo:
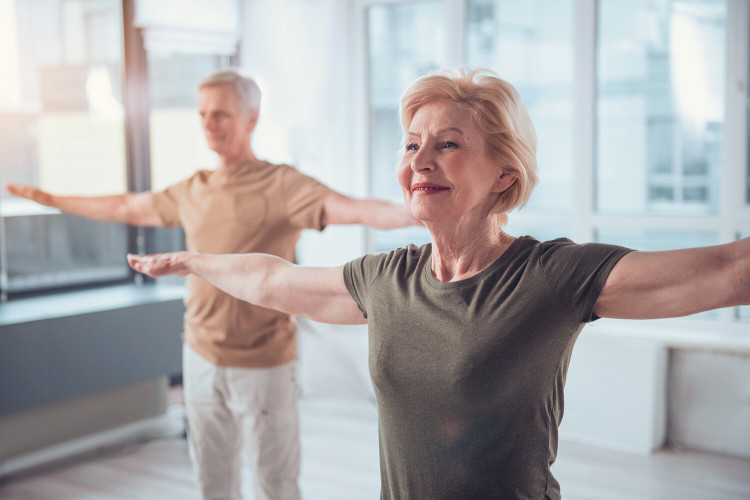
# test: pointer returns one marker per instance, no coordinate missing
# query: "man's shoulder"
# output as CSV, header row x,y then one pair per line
x,y
199,176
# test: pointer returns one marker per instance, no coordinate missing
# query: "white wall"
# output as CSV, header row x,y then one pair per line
x,y
709,402
616,394
299,53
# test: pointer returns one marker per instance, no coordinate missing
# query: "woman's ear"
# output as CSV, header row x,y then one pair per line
x,y
504,181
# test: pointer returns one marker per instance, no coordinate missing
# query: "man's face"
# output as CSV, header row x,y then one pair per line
x,y
227,127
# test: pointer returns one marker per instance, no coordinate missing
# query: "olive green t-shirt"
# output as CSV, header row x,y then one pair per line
x,y
260,207
469,375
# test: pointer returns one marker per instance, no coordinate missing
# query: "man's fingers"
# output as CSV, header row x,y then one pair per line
x,y
16,189
30,193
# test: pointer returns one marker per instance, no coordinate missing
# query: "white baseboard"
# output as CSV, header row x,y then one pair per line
x,y
170,424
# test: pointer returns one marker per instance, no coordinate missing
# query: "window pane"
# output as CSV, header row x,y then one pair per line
x,y
62,129
177,144
743,312
56,250
660,105
530,44
178,147
405,41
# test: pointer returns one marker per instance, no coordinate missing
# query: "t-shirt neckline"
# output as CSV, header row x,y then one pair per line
x,y
435,283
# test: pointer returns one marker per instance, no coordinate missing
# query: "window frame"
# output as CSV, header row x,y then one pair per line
x,y
136,105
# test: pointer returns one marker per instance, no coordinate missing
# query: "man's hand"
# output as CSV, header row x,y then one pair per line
x,y
161,264
341,209
136,209
31,193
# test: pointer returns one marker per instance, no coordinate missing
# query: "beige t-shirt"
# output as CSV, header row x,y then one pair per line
x,y
259,208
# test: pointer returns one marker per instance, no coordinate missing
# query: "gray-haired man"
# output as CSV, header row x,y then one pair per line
x,y
239,360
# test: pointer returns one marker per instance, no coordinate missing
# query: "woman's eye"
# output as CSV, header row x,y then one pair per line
x,y
412,147
449,144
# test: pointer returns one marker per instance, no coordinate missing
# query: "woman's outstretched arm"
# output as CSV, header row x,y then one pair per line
x,y
317,293
645,285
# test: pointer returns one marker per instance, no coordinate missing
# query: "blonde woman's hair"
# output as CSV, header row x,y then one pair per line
x,y
497,110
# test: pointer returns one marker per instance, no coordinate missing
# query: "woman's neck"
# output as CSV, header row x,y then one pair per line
x,y
460,251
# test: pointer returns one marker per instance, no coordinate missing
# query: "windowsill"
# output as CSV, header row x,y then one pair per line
x,y
15,207
86,301
680,333
697,335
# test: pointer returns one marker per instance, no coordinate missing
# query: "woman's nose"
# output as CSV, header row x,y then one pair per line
x,y
423,161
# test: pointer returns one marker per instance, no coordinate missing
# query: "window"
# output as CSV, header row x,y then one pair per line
x,y
660,102
629,99
65,129
404,43
62,129
177,145
530,44
743,312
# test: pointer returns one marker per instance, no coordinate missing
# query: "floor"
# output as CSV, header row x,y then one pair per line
x,y
340,462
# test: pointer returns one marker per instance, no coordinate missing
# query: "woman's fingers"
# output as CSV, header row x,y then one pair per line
x,y
152,265
155,265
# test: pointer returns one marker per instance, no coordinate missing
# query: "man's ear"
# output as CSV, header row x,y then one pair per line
x,y
504,181
252,119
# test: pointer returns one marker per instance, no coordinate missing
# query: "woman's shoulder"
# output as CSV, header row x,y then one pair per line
x,y
562,250
401,260
566,253
408,254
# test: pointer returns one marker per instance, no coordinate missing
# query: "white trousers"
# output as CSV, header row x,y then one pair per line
x,y
231,410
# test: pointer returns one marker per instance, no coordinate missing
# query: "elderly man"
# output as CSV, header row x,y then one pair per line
x,y
239,360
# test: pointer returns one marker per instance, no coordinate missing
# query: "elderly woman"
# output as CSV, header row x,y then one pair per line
x,y
470,336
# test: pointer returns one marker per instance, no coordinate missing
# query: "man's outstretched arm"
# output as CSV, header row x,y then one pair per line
x,y
341,209
136,209
317,293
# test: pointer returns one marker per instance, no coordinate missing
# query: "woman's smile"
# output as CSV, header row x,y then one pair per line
x,y
427,188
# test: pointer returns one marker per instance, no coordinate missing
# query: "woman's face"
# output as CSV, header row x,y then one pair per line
x,y
445,173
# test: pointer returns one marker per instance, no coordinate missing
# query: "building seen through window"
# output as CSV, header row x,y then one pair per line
x,y
61,129
405,41
530,45
177,145
660,101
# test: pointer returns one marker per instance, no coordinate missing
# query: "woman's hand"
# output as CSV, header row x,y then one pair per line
x,y
317,293
647,285
161,264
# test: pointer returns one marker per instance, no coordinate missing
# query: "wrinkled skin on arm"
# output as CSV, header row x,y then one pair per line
x,y
136,209
317,293
646,285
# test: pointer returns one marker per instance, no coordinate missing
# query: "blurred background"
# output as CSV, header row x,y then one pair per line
x,y
641,111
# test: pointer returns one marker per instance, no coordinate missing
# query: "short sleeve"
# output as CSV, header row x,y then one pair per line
x,y
359,275
167,203
577,273
304,198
